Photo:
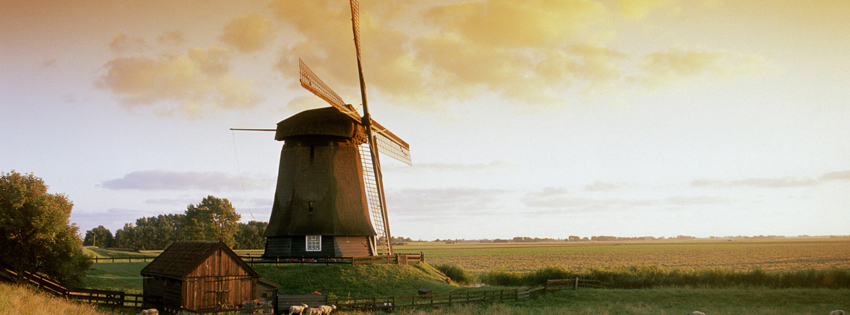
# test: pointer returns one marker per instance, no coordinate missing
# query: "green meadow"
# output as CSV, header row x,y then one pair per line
x,y
799,276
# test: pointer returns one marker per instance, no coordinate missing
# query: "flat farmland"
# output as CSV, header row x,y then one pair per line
x,y
740,255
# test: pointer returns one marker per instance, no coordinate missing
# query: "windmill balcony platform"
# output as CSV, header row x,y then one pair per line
x,y
395,259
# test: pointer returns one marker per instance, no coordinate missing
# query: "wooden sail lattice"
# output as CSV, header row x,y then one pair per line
x,y
382,245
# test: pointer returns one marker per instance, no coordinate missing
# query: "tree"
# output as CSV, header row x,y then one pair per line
x,y
125,237
157,232
35,231
212,219
99,236
250,235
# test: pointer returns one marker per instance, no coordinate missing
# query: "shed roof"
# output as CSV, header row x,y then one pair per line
x,y
183,257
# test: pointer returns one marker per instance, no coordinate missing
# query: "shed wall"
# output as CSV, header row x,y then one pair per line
x,y
218,282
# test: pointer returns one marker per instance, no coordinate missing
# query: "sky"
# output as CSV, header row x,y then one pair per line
x,y
524,118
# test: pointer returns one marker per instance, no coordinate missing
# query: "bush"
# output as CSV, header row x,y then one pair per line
x,y
457,274
652,276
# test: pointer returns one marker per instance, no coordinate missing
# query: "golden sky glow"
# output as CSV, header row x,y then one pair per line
x,y
689,117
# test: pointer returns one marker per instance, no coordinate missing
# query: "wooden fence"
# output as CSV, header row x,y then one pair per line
x,y
98,297
118,299
406,301
562,284
127,259
397,259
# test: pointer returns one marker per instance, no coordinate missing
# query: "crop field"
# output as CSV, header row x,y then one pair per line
x,y
740,255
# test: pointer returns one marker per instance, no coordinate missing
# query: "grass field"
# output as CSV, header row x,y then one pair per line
x,y
767,255
660,302
16,300
806,259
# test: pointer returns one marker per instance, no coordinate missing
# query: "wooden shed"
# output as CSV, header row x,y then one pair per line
x,y
198,276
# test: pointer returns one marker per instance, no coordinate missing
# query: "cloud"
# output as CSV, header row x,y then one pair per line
x,y
607,186
639,9
841,175
174,37
501,23
530,53
248,32
121,43
694,200
169,180
69,98
454,167
778,182
47,64
199,82
459,201
558,199
661,68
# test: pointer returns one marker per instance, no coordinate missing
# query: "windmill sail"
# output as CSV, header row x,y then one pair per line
x,y
382,244
367,122
313,83
388,142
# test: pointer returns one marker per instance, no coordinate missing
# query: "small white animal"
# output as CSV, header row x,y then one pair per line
x,y
312,311
837,312
297,309
150,311
327,309
695,313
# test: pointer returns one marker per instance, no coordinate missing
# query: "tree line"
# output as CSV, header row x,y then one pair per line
x,y
210,220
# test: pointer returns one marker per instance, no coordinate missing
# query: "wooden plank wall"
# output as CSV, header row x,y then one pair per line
x,y
218,282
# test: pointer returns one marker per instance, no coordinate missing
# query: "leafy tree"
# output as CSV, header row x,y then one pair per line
x,y
125,237
250,235
99,236
35,231
212,219
158,232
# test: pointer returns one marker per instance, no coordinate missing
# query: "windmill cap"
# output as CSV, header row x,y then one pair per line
x,y
326,121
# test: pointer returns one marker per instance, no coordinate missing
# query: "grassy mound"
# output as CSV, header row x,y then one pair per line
x,y
343,281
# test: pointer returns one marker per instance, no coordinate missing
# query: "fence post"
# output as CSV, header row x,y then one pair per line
x,y
576,288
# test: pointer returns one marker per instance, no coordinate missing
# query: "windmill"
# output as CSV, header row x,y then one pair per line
x,y
331,195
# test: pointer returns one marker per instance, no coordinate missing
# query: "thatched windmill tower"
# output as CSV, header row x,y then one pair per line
x,y
329,200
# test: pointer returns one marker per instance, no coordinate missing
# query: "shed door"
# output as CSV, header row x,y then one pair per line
x,y
215,292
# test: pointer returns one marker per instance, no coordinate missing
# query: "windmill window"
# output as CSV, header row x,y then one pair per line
x,y
314,243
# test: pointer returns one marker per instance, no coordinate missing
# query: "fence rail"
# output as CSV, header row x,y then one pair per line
x,y
397,259
127,259
99,297
390,302
562,284
125,300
